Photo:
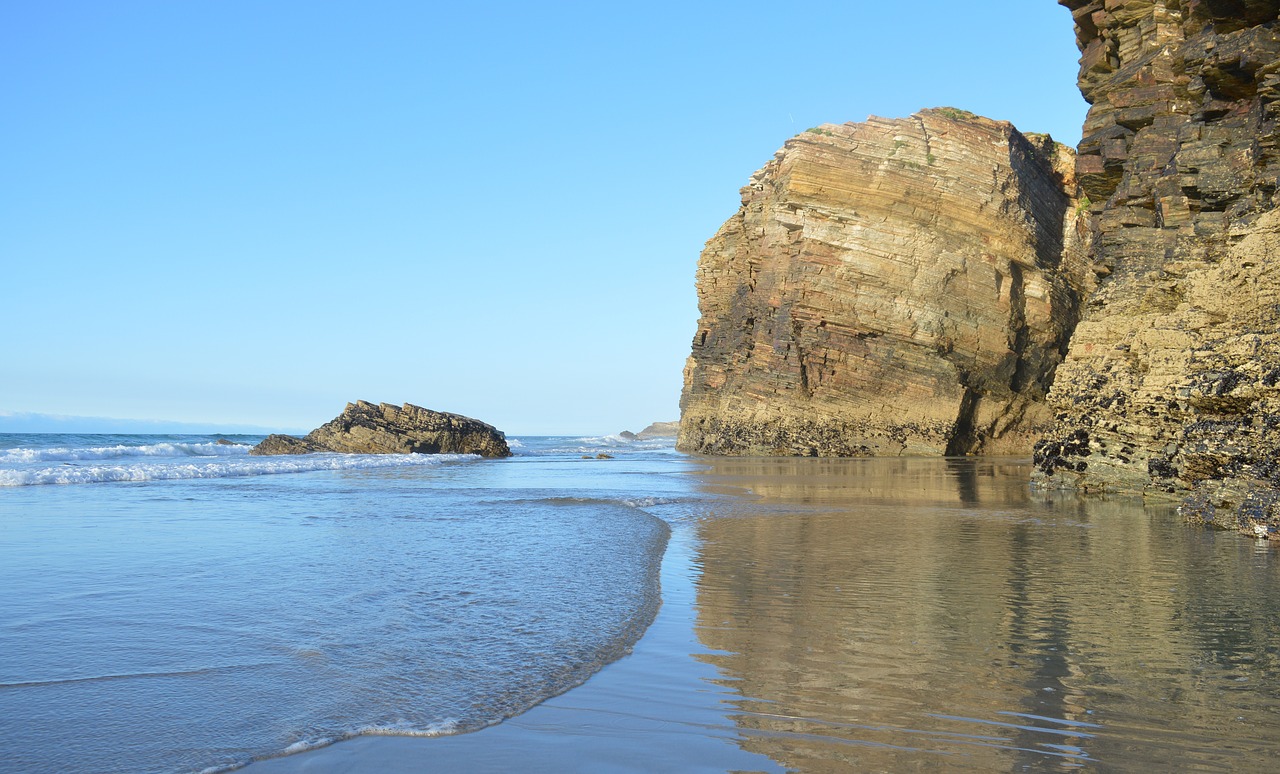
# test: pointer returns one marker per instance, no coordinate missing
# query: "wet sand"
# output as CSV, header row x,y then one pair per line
x,y
912,615
657,709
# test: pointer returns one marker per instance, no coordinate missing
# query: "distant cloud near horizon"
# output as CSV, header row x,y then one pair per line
x,y
28,422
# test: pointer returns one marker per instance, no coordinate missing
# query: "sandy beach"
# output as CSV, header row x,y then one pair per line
x,y
658,709
893,615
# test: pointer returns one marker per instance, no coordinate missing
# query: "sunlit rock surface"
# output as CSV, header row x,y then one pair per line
x,y
892,287
1171,380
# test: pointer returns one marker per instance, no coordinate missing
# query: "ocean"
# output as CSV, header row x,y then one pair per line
x,y
172,604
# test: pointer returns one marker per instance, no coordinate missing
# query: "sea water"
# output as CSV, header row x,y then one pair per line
x,y
941,615
171,603
185,607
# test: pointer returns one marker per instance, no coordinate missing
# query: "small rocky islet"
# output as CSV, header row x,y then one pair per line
x,y
383,428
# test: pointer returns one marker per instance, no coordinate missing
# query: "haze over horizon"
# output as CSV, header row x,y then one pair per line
x,y
234,215
28,422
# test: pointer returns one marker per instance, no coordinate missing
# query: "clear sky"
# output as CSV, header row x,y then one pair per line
x,y
250,213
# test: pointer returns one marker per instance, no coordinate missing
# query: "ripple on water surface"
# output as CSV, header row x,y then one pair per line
x,y
187,625
891,615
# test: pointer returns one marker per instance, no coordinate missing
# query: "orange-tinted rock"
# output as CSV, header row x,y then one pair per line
x,y
891,287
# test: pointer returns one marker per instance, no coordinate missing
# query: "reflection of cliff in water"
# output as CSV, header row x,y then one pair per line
x,y
886,480
903,614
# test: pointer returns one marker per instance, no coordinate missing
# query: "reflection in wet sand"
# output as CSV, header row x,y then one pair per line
x,y
904,615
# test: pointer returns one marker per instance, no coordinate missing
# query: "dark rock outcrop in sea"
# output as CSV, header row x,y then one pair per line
x,y
1172,380
892,287
367,428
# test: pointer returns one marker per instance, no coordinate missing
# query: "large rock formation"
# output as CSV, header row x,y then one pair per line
x,y
1172,382
893,287
365,428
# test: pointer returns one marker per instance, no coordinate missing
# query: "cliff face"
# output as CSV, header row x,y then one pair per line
x,y
894,287
1172,381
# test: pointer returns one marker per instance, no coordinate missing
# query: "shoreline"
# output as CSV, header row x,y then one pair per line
x,y
658,708
904,614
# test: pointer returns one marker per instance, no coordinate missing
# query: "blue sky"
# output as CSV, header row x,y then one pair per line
x,y
241,213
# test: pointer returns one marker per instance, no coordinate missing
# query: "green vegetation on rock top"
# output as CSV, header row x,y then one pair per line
x,y
955,113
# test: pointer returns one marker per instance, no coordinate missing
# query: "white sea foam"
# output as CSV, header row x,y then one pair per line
x,y
468,551
611,444
306,744
121,451
619,442
446,727
607,440
442,728
649,502
220,468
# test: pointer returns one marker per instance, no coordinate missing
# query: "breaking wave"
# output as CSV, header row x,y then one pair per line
x,y
122,451
229,465
550,446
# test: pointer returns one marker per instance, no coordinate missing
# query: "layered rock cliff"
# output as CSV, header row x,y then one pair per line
x,y
892,287
1172,381
368,428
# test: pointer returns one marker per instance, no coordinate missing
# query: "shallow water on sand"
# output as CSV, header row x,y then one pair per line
x,y
909,615
182,606
818,616
902,615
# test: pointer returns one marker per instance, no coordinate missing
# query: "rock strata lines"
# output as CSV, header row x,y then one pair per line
x,y
1172,381
892,287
